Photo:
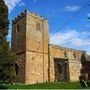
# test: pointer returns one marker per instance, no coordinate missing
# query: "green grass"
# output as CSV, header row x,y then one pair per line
x,y
54,85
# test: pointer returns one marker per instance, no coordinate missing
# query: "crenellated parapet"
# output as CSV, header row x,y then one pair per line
x,y
66,48
69,53
26,12
21,15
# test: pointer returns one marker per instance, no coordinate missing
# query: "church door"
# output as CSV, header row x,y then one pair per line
x,y
61,70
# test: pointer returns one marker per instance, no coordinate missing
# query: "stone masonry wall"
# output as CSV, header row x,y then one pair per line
x,y
35,71
74,70
19,35
36,49
74,62
21,67
18,45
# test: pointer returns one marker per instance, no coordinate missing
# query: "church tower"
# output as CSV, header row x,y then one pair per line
x,y
30,40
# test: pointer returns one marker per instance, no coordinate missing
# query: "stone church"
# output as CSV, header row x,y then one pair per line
x,y
38,61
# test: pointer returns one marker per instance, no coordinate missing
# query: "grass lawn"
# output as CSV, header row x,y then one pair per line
x,y
54,85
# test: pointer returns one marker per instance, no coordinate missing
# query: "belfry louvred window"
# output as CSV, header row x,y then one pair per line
x,y
74,55
65,54
38,27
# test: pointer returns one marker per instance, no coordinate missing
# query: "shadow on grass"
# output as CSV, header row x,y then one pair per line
x,y
88,83
3,87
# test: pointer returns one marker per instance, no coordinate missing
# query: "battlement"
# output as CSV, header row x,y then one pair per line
x,y
19,16
37,16
26,12
65,48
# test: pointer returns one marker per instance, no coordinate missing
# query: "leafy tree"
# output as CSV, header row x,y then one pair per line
x,y
7,64
7,58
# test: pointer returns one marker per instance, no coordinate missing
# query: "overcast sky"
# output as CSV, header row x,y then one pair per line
x,y
68,20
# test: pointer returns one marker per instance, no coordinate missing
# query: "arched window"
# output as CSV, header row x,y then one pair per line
x,y
74,55
65,54
17,28
16,68
38,27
